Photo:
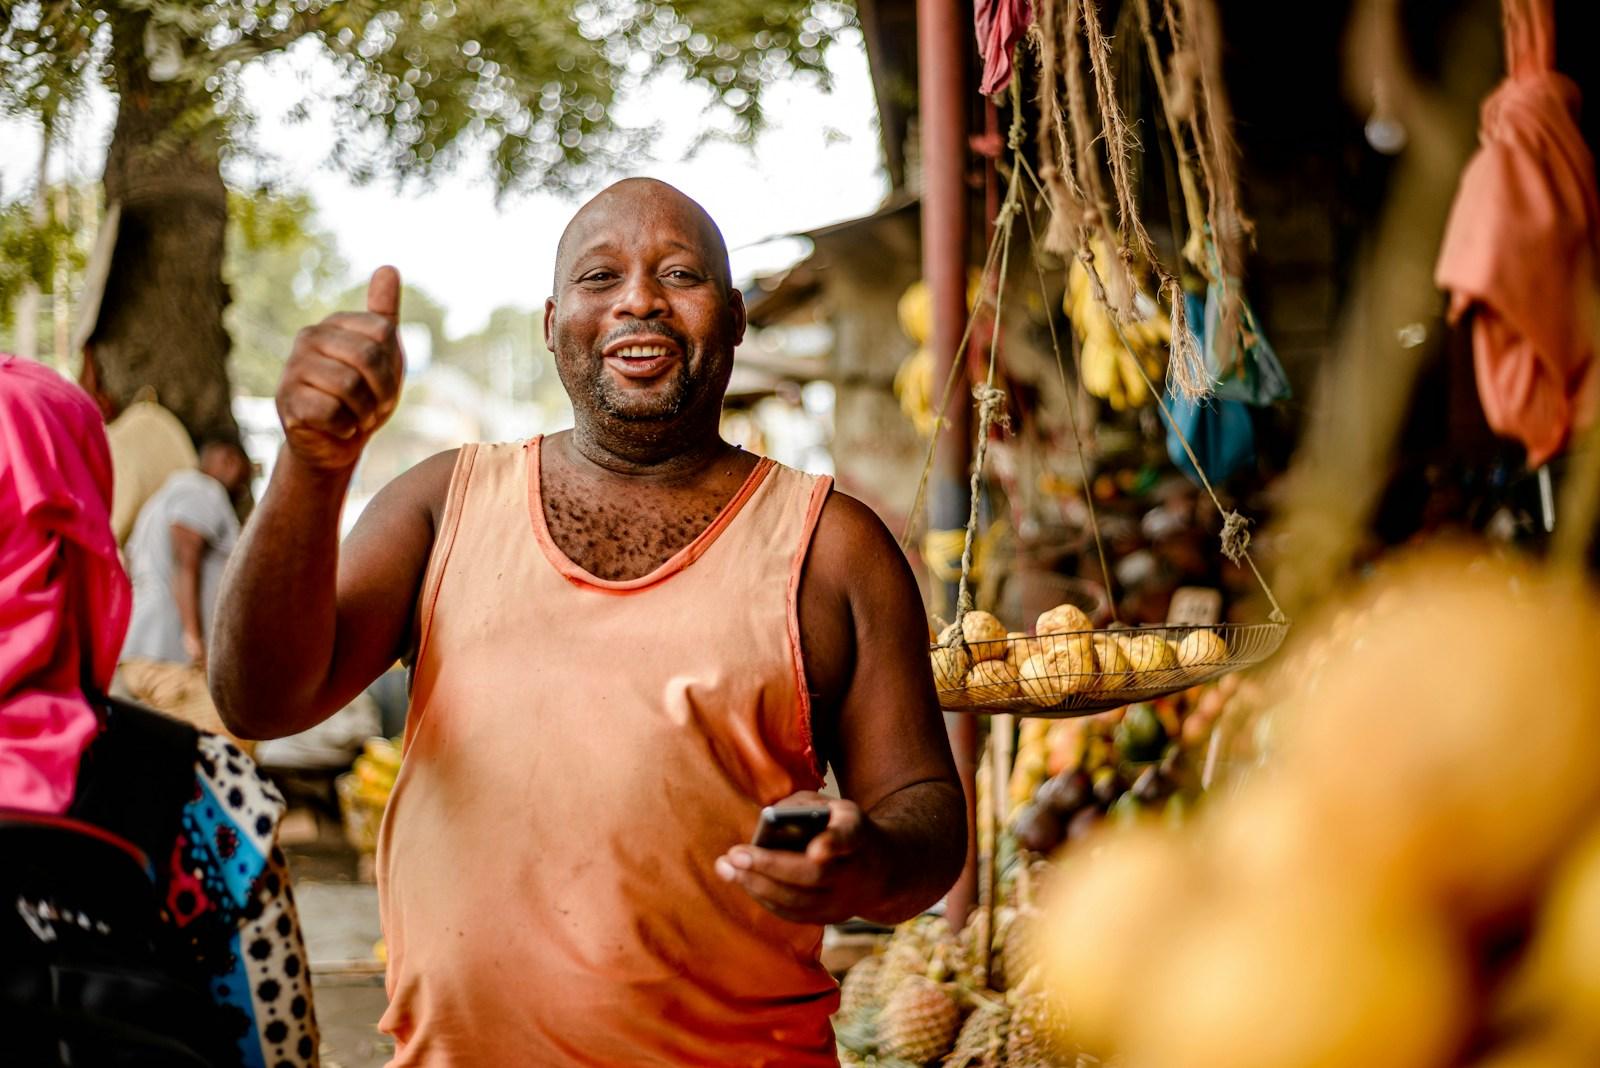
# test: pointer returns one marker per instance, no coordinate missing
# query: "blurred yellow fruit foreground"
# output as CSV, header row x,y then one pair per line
x,y
1348,903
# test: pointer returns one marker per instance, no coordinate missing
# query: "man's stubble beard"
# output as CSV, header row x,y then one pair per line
x,y
627,406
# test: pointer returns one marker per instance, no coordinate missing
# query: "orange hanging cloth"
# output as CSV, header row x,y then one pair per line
x,y
1520,249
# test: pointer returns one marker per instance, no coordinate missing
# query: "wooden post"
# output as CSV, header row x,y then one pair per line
x,y
942,36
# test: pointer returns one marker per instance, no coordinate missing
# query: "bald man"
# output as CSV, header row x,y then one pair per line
x,y
626,639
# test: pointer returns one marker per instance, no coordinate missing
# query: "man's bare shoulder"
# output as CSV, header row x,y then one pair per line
x,y
850,518
852,544
412,502
424,487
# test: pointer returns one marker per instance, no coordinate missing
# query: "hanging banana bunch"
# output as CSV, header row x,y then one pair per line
x,y
913,387
913,381
1108,370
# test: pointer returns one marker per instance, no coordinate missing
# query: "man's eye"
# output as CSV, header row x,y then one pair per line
x,y
681,275
599,276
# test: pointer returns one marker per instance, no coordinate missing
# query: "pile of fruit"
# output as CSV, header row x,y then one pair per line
x,y
934,997
977,660
364,791
931,996
1412,880
1146,759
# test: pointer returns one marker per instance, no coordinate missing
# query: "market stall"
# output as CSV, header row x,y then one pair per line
x,y
1193,849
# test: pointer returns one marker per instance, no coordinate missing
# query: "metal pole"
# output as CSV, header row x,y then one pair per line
x,y
942,35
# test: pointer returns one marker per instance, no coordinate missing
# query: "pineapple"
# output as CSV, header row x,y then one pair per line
x,y
919,1021
1004,918
1037,1035
859,991
1016,953
972,969
910,952
902,960
1019,951
982,1041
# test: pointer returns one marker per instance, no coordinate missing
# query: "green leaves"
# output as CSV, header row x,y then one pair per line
x,y
30,252
532,84
46,52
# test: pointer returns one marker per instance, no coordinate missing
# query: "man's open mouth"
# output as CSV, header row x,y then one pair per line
x,y
641,359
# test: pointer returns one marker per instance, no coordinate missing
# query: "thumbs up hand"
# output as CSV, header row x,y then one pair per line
x,y
343,379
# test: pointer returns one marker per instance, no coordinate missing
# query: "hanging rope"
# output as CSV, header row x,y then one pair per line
x,y
1235,536
1229,225
1186,367
991,410
939,421
1194,211
1134,242
1067,228
1197,62
1072,404
1097,207
990,400
1079,207
1185,350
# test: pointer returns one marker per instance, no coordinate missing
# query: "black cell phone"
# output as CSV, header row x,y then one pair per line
x,y
790,827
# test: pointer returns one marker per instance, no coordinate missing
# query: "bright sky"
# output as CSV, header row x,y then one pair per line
x,y
818,163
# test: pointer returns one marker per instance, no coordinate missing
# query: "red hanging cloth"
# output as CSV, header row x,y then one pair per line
x,y
1522,243
1000,24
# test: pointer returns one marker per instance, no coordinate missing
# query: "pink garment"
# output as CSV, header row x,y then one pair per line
x,y
1000,24
64,597
1521,246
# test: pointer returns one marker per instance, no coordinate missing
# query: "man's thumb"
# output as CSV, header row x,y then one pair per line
x,y
383,293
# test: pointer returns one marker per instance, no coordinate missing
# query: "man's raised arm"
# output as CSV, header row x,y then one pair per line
x,y
302,625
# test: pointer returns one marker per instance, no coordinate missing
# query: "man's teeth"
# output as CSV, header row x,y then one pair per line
x,y
641,352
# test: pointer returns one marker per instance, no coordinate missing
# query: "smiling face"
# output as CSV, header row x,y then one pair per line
x,y
644,320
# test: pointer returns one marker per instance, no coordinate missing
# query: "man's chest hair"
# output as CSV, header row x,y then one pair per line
x,y
626,535
622,536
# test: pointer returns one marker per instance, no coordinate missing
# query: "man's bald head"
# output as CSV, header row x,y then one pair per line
x,y
644,319
641,202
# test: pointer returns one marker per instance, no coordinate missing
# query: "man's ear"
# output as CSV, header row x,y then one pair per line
x,y
549,323
740,317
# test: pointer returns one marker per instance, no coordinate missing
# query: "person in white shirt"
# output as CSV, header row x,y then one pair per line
x,y
176,554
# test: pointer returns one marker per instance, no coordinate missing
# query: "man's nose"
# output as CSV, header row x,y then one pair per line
x,y
641,296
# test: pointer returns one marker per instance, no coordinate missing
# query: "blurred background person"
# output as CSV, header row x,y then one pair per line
x,y
179,547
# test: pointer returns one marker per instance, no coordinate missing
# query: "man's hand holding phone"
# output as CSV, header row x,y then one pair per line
x,y
826,883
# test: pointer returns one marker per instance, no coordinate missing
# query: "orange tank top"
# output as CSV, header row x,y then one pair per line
x,y
577,755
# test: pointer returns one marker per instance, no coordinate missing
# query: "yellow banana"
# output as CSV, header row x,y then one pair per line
x,y
916,312
1133,383
1107,368
913,386
1097,364
915,308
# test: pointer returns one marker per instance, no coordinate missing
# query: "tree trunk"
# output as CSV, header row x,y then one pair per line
x,y
160,321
